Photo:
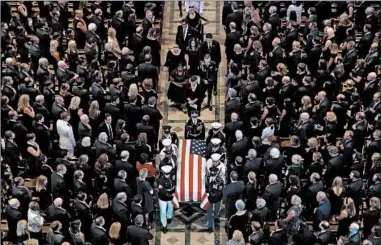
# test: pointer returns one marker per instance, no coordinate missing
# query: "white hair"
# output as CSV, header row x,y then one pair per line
x,y
13,202
124,154
252,153
103,137
274,153
296,159
58,202
120,196
238,134
261,202
61,63
273,178
305,116
83,117
9,61
92,27
272,9
296,200
39,97
321,195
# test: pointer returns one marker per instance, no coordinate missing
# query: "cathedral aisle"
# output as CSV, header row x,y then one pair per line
x,y
188,225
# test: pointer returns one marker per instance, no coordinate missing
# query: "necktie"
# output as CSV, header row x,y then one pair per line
x,y
110,131
209,46
185,33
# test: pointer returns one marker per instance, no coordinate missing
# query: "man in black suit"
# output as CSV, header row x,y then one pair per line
x,y
136,43
230,129
365,42
375,189
335,163
119,25
91,50
144,127
253,163
57,212
12,153
99,235
63,75
372,58
350,57
97,19
13,215
322,211
83,211
267,38
18,128
55,22
373,147
58,185
305,128
148,22
39,108
112,108
236,16
42,134
133,114
121,213
102,146
279,235
323,237
97,90
314,32
107,127
292,35
92,34
314,52
125,163
232,193
231,39
276,55
184,33
136,234
355,187
120,184
212,47
274,20
147,70
272,194
239,147
322,107
153,113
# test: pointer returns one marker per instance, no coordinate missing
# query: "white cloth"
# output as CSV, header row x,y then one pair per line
x,y
65,132
221,167
198,5
298,11
35,221
175,152
266,133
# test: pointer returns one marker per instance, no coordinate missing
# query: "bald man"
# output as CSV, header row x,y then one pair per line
x,y
57,212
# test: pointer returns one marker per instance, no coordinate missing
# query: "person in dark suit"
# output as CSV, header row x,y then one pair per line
x,y
39,108
273,20
261,213
232,105
57,212
153,113
291,36
83,211
279,236
184,33
136,42
13,216
322,107
58,185
313,33
354,187
145,127
304,236
272,195
239,147
112,108
43,137
253,163
194,127
322,212
276,55
375,189
148,22
120,212
231,39
119,26
371,59
324,235
274,163
79,185
311,191
365,42
98,233
12,153
374,146
97,90
120,184
102,146
133,114
314,51
232,193
125,163
107,127
350,57
212,47
267,38
91,50
236,16
147,70
136,234
136,206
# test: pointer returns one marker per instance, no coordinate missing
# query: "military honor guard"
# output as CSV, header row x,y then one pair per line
x,y
167,134
166,184
215,182
169,154
215,132
215,160
215,146
194,128
208,74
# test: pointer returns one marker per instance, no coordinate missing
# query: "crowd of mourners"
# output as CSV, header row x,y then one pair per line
x,y
297,159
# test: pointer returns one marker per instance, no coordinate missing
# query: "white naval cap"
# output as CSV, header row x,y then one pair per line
x,y
215,141
166,169
216,125
167,142
216,157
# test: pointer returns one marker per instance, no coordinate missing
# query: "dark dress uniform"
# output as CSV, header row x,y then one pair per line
x,y
211,149
208,75
168,135
214,187
167,186
195,130
212,134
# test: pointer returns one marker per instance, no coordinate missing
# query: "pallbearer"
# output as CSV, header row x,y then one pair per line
x,y
169,154
194,127
215,146
215,132
167,185
167,134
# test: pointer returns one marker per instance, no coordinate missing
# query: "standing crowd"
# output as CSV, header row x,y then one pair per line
x,y
297,159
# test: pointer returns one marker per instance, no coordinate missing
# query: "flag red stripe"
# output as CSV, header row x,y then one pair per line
x,y
190,186
199,162
182,183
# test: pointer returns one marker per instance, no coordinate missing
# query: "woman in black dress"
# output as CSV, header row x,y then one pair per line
x,y
34,155
72,55
347,216
147,90
146,191
104,209
75,113
44,196
178,81
336,195
80,29
192,57
175,57
286,118
194,94
120,128
141,146
153,42
239,220
194,19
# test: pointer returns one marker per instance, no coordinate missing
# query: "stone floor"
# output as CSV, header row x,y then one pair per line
x,y
194,233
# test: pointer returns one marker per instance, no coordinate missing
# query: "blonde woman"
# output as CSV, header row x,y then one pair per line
x,y
75,113
113,44
44,196
329,39
133,92
24,108
147,90
80,29
336,194
114,234
94,117
346,217
142,146
145,189
103,209
22,232
333,53
306,105
72,55
371,216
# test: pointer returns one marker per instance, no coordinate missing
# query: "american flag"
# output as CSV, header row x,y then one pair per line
x,y
191,171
